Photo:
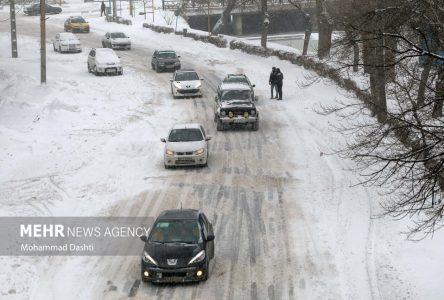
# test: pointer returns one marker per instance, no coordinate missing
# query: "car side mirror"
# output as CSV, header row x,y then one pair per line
x,y
163,140
171,80
215,98
154,57
178,56
208,138
202,79
144,238
253,85
210,238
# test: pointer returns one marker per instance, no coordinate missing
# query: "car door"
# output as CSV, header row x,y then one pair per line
x,y
207,228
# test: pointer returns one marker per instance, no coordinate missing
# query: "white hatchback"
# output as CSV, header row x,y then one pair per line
x,y
186,144
66,42
104,61
186,83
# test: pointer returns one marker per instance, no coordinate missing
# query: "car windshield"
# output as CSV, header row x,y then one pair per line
x,y
176,231
236,79
185,135
236,95
118,35
78,20
168,54
186,76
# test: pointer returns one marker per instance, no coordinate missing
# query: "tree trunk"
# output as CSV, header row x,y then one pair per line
x,y
224,17
265,23
439,94
308,28
423,82
325,28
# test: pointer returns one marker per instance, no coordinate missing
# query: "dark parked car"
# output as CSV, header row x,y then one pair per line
x,y
241,79
34,10
179,247
165,60
234,105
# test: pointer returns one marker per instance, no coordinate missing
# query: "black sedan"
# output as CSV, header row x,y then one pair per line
x,y
34,10
179,247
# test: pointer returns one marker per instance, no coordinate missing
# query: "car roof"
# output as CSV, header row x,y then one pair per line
x,y
104,50
186,70
235,75
168,51
74,17
186,126
234,86
179,214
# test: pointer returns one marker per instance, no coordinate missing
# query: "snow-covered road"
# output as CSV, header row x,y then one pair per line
x,y
287,223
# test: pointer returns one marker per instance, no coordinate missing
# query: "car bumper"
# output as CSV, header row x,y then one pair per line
x,y
238,120
80,29
169,67
109,70
161,275
187,92
120,46
185,160
70,49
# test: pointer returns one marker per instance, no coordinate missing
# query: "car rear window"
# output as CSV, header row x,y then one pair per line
x,y
185,135
186,76
237,79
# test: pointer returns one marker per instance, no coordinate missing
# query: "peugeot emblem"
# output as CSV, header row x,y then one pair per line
x,y
172,261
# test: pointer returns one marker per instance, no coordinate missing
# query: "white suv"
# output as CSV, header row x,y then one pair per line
x,y
104,61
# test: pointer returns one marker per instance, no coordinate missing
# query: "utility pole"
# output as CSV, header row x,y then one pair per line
x,y
13,29
42,41
114,9
152,5
131,7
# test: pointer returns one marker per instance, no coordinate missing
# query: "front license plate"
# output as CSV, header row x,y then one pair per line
x,y
239,120
110,70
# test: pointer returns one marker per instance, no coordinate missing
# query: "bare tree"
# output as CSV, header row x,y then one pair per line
x,y
308,26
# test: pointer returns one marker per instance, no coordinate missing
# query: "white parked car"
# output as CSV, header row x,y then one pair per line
x,y
66,42
116,40
186,83
104,61
186,144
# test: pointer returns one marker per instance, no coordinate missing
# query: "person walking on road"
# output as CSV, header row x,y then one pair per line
x,y
102,9
273,82
279,82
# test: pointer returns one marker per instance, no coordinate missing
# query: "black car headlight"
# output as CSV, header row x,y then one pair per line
x,y
148,259
198,258
223,113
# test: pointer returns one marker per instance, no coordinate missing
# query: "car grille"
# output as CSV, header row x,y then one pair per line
x,y
191,91
185,161
184,153
72,47
238,111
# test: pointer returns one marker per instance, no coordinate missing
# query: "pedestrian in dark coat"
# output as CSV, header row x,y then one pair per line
x,y
279,82
273,82
102,9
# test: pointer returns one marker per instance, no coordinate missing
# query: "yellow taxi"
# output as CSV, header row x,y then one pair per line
x,y
76,24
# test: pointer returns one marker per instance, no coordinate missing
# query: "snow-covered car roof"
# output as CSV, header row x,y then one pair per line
x,y
234,86
187,126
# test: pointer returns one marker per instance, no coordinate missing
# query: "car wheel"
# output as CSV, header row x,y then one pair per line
x,y
152,66
120,73
60,49
103,45
55,49
166,166
89,69
220,126
157,69
95,71
255,126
